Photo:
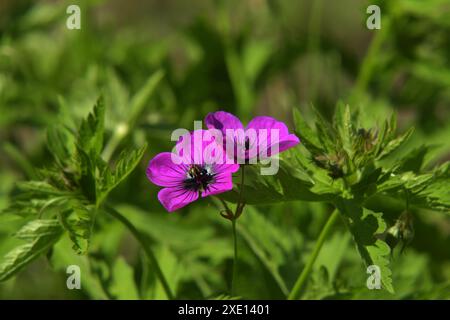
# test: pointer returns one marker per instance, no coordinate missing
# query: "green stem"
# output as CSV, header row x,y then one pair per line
x,y
236,215
147,250
301,280
233,223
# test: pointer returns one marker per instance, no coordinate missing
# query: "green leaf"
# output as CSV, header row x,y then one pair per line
x,y
307,136
123,286
271,245
78,221
326,133
343,123
62,257
392,127
90,134
109,179
40,236
173,269
395,144
381,140
60,142
431,190
140,99
333,253
177,236
86,174
39,189
287,185
366,227
415,160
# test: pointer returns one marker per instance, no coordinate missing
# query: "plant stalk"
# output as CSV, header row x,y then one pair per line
x,y
233,224
237,213
301,280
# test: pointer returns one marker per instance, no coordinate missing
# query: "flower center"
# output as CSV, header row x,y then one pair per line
x,y
198,177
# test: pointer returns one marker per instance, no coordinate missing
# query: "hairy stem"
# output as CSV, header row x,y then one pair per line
x,y
150,255
301,280
233,224
237,213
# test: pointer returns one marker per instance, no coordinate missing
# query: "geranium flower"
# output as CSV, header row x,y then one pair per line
x,y
262,137
194,169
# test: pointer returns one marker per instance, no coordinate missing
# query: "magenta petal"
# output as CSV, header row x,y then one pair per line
x,y
288,142
199,147
268,123
175,198
266,142
163,172
223,179
222,120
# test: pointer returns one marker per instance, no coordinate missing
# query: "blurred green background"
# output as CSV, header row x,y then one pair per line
x,y
254,57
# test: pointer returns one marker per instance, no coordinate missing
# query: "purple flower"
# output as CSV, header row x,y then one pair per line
x,y
194,169
263,136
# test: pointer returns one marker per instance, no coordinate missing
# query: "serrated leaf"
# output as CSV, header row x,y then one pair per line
x,y
38,228
395,144
326,133
39,189
307,136
60,142
41,235
392,127
110,179
381,140
414,160
90,134
431,190
86,174
343,123
365,225
78,221
287,185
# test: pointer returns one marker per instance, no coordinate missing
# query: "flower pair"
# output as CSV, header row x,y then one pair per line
x,y
203,161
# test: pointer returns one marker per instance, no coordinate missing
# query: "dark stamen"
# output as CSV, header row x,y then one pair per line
x,y
198,178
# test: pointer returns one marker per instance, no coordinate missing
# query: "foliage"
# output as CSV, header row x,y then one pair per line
x,y
380,156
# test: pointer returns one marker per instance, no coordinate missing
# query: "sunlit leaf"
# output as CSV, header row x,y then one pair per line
x,y
40,236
